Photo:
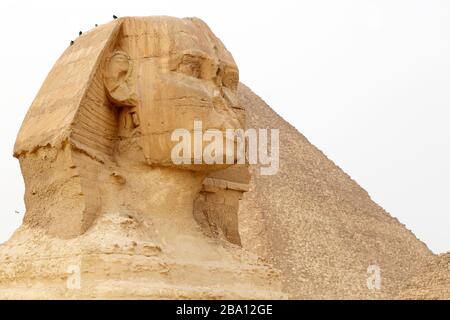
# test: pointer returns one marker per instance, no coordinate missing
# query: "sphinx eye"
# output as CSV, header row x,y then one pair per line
x,y
191,66
230,80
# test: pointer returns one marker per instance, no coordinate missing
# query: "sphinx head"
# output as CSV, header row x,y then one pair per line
x,y
166,74
103,121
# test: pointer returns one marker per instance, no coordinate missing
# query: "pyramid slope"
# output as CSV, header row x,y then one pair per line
x,y
321,228
431,282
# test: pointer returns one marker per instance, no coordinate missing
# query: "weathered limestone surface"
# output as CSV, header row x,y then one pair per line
x,y
430,282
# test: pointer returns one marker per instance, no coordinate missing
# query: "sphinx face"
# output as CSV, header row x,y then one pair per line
x,y
166,74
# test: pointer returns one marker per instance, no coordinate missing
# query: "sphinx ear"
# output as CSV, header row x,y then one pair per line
x,y
118,81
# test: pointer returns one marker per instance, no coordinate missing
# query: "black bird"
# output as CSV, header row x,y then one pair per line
x,y
72,42
80,33
96,25
114,16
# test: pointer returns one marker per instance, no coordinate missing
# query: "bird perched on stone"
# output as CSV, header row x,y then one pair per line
x,y
72,42
114,16
96,25
80,33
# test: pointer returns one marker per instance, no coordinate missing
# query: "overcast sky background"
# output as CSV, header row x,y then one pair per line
x,y
367,82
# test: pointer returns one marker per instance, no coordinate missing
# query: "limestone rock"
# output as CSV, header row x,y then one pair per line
x,y
432,282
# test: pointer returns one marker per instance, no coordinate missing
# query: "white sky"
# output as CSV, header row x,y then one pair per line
x,y
368,82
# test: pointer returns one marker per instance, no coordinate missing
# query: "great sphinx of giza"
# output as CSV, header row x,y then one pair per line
x,y
105,201
102,191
